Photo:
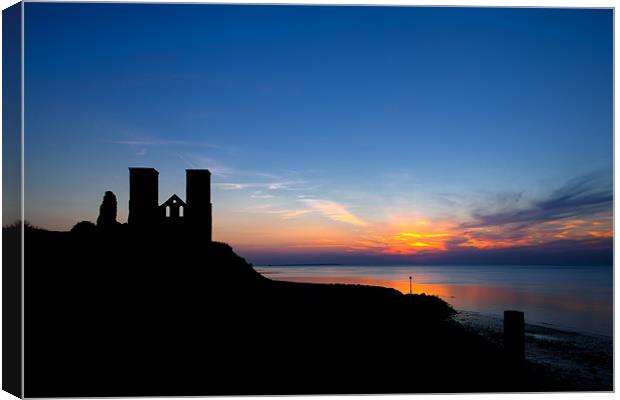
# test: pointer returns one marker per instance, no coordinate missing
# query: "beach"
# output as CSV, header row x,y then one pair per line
x,y
583,358
568,310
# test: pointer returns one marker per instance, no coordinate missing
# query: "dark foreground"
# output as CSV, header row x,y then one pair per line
x,y
124,313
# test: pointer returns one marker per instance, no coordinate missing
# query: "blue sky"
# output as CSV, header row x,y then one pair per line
x,y
329,123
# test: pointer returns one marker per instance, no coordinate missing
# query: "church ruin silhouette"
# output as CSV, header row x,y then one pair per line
x,y
194,213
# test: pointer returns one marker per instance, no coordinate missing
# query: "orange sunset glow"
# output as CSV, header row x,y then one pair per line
x,y
342,231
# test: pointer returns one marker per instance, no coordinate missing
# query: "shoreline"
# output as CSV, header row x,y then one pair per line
x,y
569,298
532,327
582,357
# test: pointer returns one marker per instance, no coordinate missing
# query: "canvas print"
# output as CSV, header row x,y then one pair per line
x,y
206,200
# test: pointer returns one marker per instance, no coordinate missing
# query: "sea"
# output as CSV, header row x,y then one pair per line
x,y
577,298
568,309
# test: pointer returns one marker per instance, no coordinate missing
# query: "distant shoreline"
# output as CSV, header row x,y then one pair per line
x,y
302,265
427,265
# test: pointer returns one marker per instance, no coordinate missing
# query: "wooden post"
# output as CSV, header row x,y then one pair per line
x,y
514,335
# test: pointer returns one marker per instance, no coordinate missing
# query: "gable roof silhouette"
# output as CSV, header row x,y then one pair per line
x,y
173,201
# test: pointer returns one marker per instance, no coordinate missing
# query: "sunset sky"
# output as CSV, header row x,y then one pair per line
x,y
334,134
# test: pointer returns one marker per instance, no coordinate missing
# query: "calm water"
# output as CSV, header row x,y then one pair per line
x,y
574,298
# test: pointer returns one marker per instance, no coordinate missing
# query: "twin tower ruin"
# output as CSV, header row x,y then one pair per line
x,y
193,214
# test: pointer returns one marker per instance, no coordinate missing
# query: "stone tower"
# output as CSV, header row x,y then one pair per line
x,y
198,199
143,196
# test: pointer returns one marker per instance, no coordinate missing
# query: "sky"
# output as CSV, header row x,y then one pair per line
x,y
334,134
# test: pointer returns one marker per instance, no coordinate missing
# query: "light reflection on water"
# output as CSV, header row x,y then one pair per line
x,y
579,298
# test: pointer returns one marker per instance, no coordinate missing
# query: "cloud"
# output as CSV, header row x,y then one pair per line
x,y
334,211
583,196
285,213
288,214
328,208
231,186
260,195
216,167
151,141
264,187
253,185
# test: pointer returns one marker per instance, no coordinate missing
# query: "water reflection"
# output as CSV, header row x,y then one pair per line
x,y
571,298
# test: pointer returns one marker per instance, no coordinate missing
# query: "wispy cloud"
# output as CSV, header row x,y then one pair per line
x,y
265,187
260,195
288,214
579,211
334,211
330,209
152,141
253,185
583,196
231,186
216,167
149,142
